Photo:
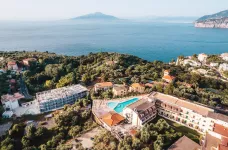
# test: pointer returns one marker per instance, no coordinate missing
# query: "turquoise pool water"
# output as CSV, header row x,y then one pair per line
x,y
112,104
118,107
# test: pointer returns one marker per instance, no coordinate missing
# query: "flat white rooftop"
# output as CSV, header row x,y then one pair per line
x,y
60,93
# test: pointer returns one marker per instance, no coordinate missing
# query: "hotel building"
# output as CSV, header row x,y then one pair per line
x,y
140,112
186,113
103,86
195,116
57,98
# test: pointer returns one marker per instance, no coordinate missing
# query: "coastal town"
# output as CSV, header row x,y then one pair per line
x,y
103,100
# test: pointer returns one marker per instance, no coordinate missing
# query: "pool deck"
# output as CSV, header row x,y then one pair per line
x,y
100,107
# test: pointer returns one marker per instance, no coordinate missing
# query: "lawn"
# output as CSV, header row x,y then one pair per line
x,y
190,133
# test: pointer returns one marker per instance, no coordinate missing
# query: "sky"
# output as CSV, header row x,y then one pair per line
x,y
64,9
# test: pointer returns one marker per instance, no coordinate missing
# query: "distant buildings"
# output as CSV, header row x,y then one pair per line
x,y
119,90
27,61
202,57
184,143
137,88
12,65
111,63
191,62
103,86
10,102
214,64
224,56
223,67
57,98
167,77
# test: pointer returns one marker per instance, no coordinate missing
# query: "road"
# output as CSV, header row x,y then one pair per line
x,y
24,89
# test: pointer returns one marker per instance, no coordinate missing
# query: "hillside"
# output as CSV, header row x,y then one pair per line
x,y
96,16
217,20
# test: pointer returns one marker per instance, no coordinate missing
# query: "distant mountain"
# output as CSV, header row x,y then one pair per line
x,y
218,20
96,16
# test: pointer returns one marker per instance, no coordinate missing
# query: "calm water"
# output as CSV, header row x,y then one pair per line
x,y
151,41
119,107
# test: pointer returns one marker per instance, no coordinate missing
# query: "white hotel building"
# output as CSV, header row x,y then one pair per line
x,y
55,99
197,117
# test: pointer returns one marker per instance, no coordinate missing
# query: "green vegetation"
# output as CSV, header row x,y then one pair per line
x,y
225,73
159,135
71,122
215,59
54,70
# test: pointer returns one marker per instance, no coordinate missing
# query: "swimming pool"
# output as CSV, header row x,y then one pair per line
x,y
118,107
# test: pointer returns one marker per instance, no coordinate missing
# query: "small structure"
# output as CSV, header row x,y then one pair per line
x,y
103,86
224,56
191,62
11,101
7,114
202,71
111,63
12,65
111,119
223,67
202,57
184,143
137,87
120,89
167,77
27,61
213,64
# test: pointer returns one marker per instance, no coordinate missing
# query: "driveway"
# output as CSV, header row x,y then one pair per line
x,y
85,140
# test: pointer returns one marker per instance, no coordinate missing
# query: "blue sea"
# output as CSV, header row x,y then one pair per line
x,y
149,40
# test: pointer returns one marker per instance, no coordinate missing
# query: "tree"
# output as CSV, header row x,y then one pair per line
x,y
74,131
7,144
30,131
136,144
25,142
17,130
66,80
85,114
41,132
49,84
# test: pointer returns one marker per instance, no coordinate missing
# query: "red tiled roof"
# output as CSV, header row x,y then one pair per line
x,y
12,63
221,130
112,118
104,84
135,85
168,77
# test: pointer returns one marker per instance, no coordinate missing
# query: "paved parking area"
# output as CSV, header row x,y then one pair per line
x,y
32,108
5,127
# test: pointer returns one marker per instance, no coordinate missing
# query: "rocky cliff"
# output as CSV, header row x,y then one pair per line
x,y
218,20
212,23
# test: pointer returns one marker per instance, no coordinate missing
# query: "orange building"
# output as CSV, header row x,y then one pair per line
x,y
111,119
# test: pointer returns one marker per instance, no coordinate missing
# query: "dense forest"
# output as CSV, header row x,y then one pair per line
x,y
70,123
53,71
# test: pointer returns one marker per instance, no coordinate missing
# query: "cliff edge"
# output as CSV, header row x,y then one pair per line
x,y
218,20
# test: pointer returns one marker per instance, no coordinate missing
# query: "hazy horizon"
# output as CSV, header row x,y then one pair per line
x,y
57,10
